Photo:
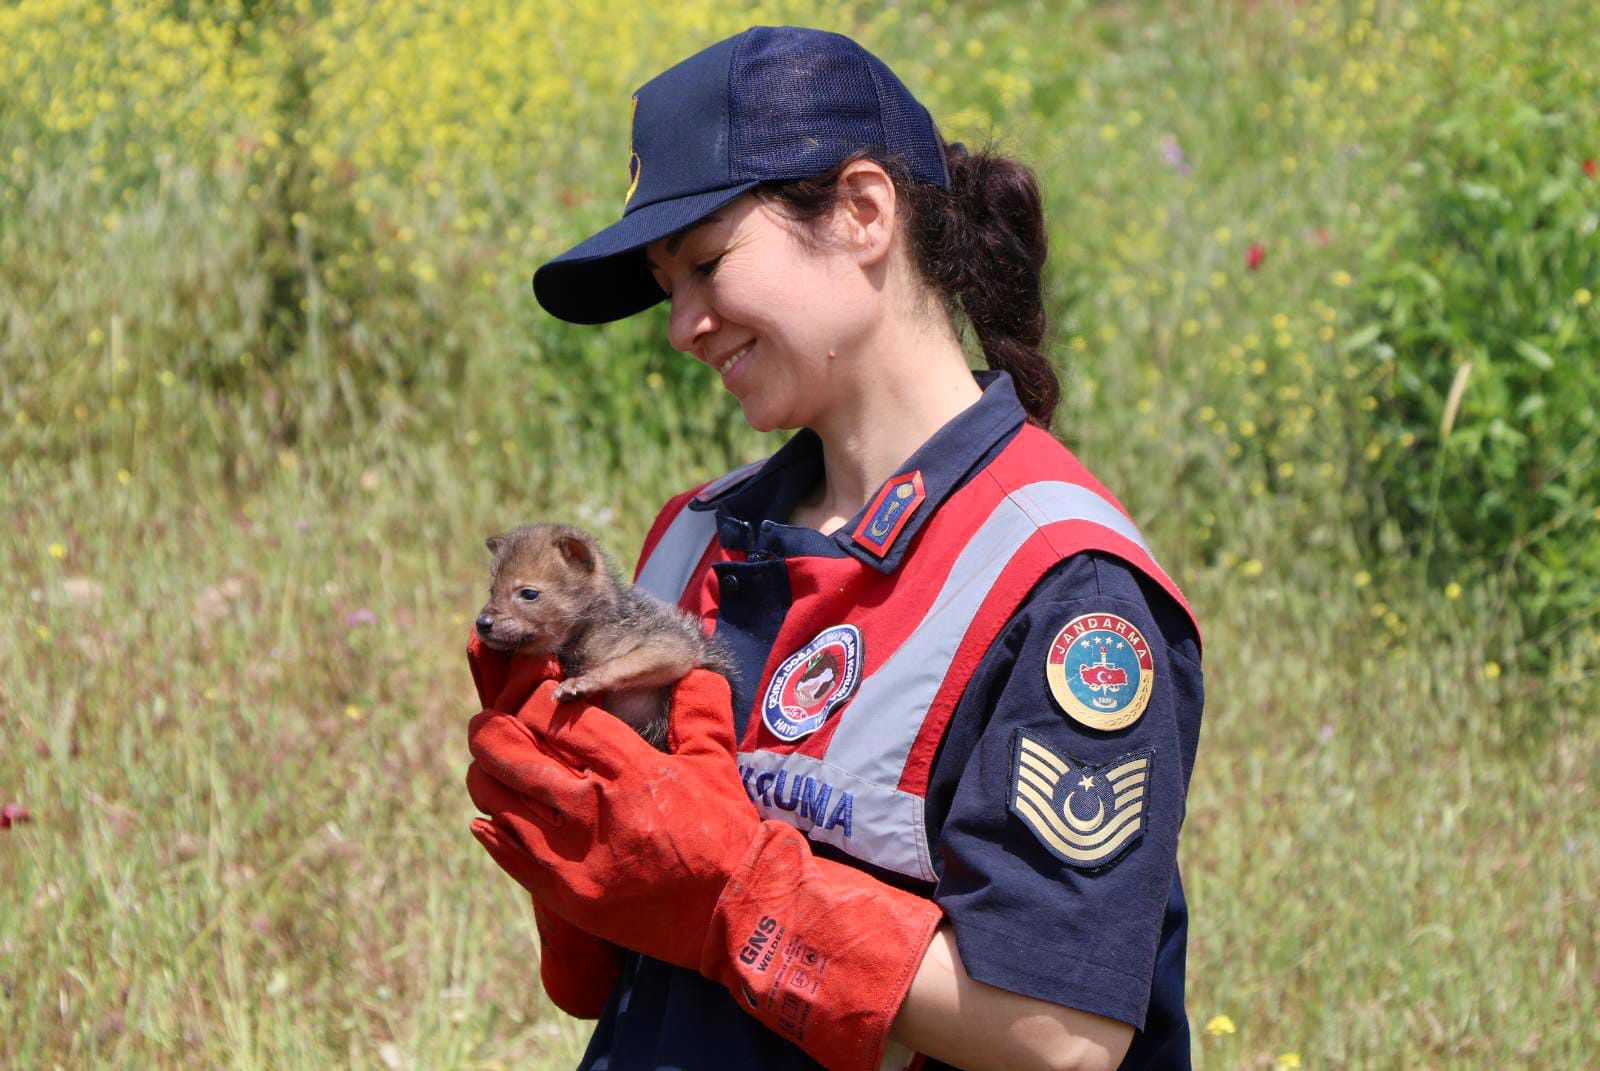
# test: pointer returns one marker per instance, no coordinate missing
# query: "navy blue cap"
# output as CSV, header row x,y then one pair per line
x,y
769,104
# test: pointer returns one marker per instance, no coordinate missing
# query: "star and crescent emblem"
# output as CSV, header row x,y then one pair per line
x,y
1085,815
889,511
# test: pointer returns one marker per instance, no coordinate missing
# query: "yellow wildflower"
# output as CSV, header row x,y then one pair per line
x,y
1452,590
1363,578
58,551
1218,1025
1289,1061
1491,670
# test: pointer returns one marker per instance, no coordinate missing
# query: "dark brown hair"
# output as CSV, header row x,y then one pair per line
x,y
980,246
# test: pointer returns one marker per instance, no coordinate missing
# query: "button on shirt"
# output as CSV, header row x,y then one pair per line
x,y
1107,939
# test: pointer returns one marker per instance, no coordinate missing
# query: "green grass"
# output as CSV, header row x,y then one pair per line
x,y
248,845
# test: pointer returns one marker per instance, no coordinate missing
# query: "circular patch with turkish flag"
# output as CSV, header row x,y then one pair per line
x,y
1101,671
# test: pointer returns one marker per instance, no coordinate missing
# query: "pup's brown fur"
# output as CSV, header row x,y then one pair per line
x,y
552,590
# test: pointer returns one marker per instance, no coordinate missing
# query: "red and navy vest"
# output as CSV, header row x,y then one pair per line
x,y
858,782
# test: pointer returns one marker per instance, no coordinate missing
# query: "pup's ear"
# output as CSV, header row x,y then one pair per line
x,y
493,543
576,550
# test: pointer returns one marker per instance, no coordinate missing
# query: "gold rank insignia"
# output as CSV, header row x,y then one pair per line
x,y
1085,815
635,165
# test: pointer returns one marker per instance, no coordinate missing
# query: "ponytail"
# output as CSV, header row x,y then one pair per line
x,y
980,245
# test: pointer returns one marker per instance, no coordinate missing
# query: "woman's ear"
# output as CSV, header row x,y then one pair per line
x,y
866,211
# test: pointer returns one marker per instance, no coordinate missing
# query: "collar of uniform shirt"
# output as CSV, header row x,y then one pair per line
x,y
746,507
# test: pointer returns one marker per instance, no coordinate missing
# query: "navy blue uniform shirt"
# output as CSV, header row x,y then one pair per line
x,y
1108,939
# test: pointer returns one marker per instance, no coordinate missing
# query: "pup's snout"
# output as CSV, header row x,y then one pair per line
x,y
485,624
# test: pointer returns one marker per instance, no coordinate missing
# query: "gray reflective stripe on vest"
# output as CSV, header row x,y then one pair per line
x,y
881,722
896,1058
877,729
875,822
666,572
727,480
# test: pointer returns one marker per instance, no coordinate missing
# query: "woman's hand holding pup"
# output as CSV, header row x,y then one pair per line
x,y
666,855
578,970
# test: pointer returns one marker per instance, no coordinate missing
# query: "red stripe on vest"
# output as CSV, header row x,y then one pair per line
x,y
1044,550
888,607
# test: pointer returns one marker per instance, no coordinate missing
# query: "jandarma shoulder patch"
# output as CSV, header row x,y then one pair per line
x,y
1100,671
1087,816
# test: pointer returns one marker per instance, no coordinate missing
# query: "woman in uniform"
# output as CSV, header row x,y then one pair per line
x,y
934,821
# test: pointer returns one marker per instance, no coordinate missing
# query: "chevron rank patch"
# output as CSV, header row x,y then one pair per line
x,y
1085,815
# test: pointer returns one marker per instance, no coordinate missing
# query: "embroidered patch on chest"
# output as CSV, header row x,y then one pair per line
x,y
1085,815
1100,671
812,683
897,500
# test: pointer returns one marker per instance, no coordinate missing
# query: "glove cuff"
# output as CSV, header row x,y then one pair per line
x,y
578,970
817,951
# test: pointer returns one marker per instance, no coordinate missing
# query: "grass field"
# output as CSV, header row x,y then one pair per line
x,y
269,371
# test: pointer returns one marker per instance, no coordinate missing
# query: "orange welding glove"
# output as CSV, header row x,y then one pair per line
x,y
665,854
578,970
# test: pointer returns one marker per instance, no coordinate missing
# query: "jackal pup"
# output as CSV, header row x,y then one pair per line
x,y
552,590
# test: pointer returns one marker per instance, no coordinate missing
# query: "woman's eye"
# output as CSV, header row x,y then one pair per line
x,y
709,266
527,594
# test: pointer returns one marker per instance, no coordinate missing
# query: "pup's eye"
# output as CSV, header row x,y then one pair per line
x,y
527,594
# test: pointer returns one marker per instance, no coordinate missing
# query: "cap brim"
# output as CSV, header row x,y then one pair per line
x,y
604,277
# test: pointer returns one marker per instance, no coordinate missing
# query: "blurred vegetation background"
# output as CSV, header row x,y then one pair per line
x,y
1323,280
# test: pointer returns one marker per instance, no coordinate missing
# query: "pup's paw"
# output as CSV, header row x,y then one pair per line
x,y
569,690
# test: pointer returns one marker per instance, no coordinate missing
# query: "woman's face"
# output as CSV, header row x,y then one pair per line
x,y
763,310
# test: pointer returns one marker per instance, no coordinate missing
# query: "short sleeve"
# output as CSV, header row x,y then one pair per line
x,y
1060,790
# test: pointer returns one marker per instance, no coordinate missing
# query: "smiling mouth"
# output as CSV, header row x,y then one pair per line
x,y
738,358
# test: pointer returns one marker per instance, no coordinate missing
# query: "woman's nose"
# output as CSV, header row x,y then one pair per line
x,y
691,319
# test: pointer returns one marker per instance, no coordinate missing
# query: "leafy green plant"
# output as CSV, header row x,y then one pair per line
x,y
1483,448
